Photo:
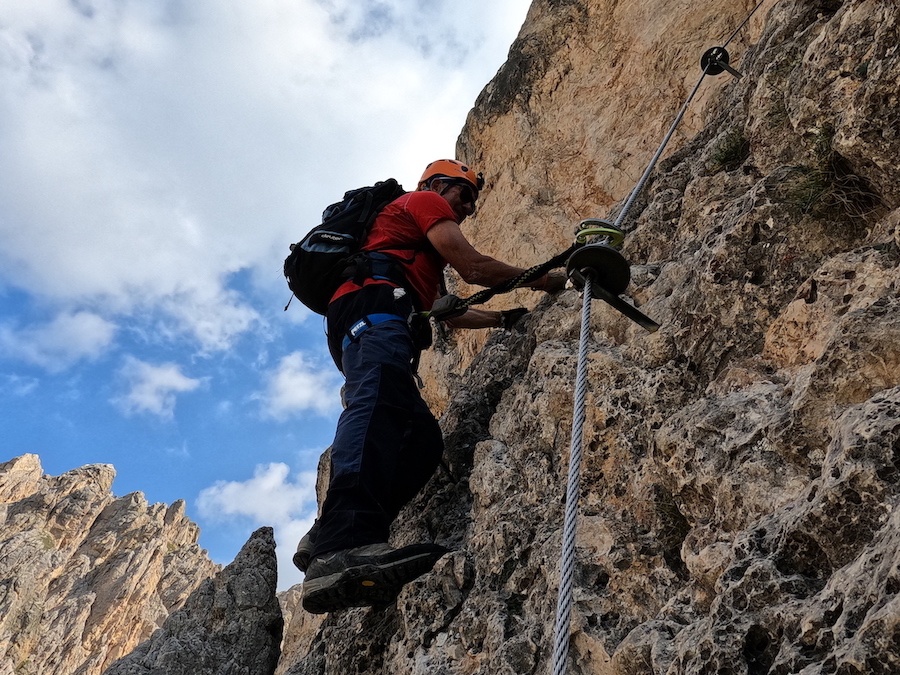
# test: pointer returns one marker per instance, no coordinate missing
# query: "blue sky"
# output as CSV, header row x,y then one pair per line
x,y
156,159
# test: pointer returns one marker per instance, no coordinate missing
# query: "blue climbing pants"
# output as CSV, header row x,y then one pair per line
x,y
387,444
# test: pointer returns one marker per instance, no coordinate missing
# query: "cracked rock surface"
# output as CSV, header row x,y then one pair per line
x,y
230,625
741,471
86,576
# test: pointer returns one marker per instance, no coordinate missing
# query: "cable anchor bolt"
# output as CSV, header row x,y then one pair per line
x,y
715,61
599,257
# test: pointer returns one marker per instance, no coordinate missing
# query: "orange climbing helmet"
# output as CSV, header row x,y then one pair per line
x,y
450,168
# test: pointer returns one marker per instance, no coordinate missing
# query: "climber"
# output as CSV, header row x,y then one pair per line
x,y
387,443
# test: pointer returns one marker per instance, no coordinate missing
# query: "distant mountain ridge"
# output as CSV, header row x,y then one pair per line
x,y
85,576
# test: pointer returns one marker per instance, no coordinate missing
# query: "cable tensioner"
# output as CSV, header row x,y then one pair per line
x,y
599,264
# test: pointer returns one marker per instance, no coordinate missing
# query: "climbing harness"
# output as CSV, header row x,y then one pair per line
x,y
601,272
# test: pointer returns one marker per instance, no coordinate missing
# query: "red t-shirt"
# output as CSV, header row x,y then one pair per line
x,y
400,230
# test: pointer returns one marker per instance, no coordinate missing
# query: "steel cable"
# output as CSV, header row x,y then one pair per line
x,y
570,522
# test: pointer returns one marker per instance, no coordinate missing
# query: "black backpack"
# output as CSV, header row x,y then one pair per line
x,y
329,253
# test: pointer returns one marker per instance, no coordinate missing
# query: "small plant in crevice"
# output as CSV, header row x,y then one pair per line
x,y
828,186
831,189
673,528
822,141
730,151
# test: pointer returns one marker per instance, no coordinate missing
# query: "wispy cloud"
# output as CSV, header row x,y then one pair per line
x,y
152,388
213,318
297,385
271,497
18,385
58,344
179,452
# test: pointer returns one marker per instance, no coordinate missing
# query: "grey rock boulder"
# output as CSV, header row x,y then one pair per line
x,y
231,625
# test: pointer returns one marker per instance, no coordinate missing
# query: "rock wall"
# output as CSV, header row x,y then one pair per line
x,y
86,576
738,509
568,125
230,625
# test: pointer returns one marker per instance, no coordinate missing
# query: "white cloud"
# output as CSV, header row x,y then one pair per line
x,y
298,385
157,158
214,319
271,498
60,343
152,149
152,389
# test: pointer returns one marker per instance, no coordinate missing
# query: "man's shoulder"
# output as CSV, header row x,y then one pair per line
x,y
420,198
425,205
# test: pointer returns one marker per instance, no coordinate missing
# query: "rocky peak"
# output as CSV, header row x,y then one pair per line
x,y
230,624
86,576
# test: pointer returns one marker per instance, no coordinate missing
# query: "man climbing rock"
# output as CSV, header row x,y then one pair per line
x,y
388,443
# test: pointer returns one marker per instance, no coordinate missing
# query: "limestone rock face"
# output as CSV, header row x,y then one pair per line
x,y
741,473
86,576
567,126
230,625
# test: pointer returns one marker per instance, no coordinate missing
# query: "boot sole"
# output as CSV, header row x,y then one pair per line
x,y
370,585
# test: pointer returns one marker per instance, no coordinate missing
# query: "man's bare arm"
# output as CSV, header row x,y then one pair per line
x,y
474,267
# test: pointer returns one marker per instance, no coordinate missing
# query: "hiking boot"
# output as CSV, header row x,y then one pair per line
x,y
305,548
304,552
367,576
